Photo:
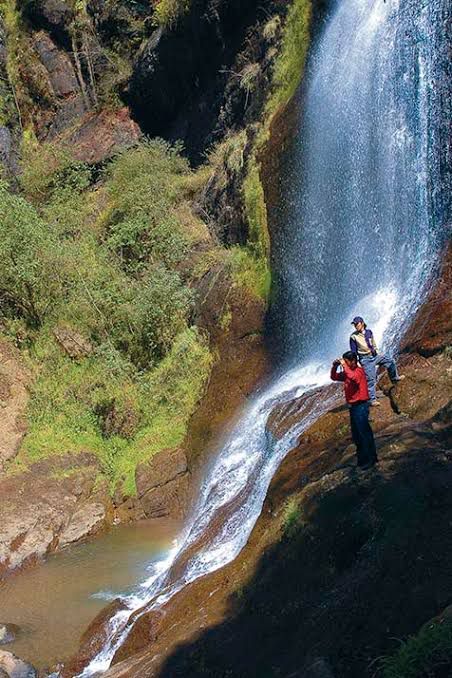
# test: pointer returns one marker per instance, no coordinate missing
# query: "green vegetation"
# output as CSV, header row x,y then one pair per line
x,y
292,518
250,272
101,404
290,63
168,12
287,75
99,263
426,655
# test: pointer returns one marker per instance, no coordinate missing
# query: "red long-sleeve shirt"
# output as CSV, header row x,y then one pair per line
x,y
355,383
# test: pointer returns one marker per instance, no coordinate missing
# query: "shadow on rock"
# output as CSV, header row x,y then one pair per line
x,y
363,560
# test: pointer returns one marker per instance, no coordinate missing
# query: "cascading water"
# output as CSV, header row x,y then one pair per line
x,y
361,233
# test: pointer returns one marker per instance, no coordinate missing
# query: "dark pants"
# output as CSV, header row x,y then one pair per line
x,y
362,434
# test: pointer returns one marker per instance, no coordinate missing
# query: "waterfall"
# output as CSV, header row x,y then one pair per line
x,y
361,228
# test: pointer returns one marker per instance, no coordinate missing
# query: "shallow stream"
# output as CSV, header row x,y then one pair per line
x,y
55,602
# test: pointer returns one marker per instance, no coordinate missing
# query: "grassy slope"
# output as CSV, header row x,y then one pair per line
x,y
105,257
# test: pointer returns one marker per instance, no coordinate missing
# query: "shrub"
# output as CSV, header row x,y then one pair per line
x,y
292,518
162,305
41,166
168,12
31,280
426,655
144,186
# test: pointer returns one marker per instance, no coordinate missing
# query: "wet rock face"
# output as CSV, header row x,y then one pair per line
x,y
162,484
431,332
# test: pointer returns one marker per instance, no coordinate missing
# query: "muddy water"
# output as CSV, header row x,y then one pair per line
x,y
53,603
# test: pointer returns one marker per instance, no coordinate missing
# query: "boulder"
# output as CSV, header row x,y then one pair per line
x,y
59,67
8,633
72,342
98,136
87,520
56,502
15,667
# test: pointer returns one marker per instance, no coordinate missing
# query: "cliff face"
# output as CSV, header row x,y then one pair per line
x,y
82,83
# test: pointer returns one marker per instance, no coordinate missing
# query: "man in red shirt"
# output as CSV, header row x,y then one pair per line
x,y
357,397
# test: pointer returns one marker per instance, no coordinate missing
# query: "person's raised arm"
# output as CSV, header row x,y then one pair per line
x,y
334,374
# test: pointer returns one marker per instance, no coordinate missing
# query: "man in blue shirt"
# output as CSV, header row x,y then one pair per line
x,y
362,343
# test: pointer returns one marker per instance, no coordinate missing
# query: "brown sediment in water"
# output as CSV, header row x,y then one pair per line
x,y
52,603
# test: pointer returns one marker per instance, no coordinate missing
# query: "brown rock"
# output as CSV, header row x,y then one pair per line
x,y
87,520
72,342
59,67
166,500
48,506
143,634
431,330
161,469
98,136
162,484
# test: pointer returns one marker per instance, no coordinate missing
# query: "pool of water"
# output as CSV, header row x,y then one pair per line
x,y
53,603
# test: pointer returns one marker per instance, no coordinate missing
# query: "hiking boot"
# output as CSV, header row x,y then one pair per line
x,y
401,377
375,403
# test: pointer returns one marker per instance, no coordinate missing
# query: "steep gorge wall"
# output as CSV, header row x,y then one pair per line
x,y
73,107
